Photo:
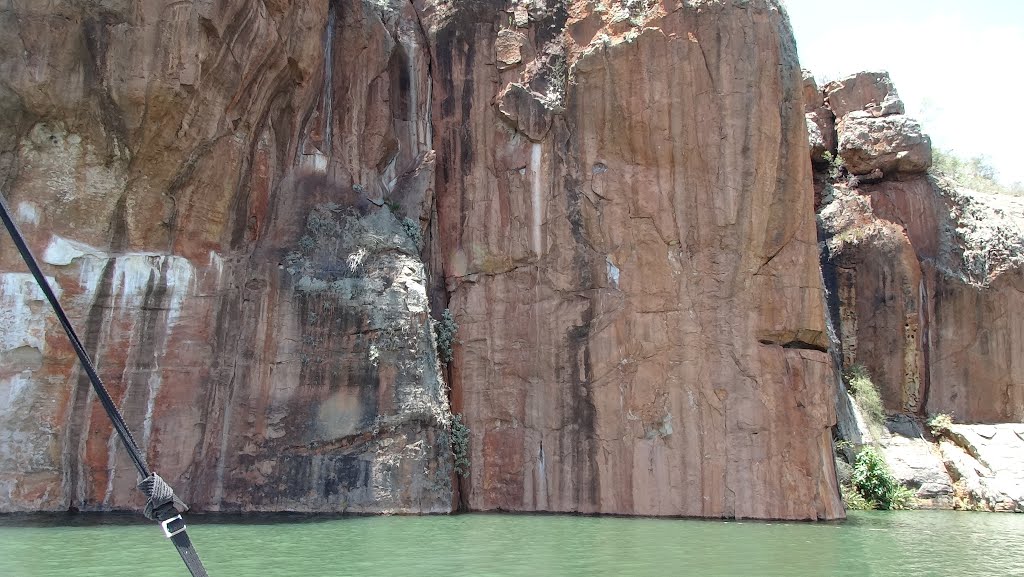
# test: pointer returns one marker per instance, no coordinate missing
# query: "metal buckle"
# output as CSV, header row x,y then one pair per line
x,y
169,532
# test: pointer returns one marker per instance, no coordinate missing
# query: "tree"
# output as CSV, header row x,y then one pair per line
x,y
975,173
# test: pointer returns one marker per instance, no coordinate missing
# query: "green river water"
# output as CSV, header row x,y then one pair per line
x,y
908,543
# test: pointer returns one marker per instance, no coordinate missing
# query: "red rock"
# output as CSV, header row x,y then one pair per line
x,y
927,280
633,264
870,92
639,286
821,125
813,97
183,171
508,48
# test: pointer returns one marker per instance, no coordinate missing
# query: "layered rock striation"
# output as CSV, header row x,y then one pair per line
x,y
624,204
197,179
251,210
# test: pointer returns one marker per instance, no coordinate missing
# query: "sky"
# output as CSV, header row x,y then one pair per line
x,y
958,66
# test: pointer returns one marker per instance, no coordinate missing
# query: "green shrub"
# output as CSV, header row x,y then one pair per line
x,y
974,173
874,482
460,446
445,330
412,228
866,394
853,500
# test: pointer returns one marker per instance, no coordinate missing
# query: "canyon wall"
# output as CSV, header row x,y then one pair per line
x,y
927,278
926,286
629,247
194,177
247,208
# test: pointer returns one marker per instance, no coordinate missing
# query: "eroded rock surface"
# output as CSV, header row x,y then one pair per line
x,y
197,179
613,199
986,465
821,121
925,278
873,136
927,291
641,314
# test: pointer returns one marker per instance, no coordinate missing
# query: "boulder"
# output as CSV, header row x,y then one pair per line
x,y
988,463
821,133
870,92
525,111
813,97
821,123
508,48
892,144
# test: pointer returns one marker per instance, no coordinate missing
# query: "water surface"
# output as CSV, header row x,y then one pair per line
x,y
906,543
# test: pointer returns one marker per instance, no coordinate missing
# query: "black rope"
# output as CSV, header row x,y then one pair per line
x,y
162,505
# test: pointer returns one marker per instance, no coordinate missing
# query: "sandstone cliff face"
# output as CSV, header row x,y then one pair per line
x,y
625,219
614,199
194,176
926,278
925,284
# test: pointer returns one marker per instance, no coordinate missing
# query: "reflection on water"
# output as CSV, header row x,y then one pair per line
x,y
908,543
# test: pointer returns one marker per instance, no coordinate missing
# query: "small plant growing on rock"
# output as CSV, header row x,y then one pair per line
x,y
866,394
940,424
412,228
873,481
853,500
460,446
835,164
444,331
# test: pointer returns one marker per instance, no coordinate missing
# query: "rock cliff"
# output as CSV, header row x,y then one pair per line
x,y
630,253
196,178
926,277
925,284
248,207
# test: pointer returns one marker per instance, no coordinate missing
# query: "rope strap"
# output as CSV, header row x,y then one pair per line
x,y
160,495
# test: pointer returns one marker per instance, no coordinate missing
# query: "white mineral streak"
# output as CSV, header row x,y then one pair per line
x,y
28,213
134,272
63,251
613,273
535,185
23,325
23,317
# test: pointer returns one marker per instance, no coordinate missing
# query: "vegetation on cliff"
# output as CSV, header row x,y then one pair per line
x,y
875,483
869,484
460,446
444,331
974,173
866,394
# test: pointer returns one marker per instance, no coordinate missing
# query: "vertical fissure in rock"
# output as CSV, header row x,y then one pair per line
x,y
328,88
925,343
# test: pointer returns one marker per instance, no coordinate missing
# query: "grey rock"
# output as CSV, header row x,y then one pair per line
x,y
890,144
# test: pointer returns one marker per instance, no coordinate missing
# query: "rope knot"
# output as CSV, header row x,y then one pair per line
x,y
159,495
